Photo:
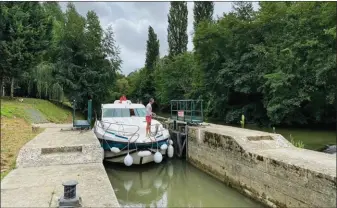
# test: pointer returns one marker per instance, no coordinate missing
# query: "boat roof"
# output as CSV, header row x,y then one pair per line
x,y
124,104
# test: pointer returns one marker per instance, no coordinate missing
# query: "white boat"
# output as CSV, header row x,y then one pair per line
x,y
122,134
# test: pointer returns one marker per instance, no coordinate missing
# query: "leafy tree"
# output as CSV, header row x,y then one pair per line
x,y
70,66
137,83
152,55
244,10
203,11
269,64
174,78
24,39
177,28
152,49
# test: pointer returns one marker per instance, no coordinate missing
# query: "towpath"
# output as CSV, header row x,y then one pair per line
x,y
51,158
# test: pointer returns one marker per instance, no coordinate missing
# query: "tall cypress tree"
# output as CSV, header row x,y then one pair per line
x,y
152,54
203,10
152,49
177,28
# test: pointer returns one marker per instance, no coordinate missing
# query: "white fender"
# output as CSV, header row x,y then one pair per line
x,y
158,157
128,160
144,153
163,147
115,149
170,151
170,142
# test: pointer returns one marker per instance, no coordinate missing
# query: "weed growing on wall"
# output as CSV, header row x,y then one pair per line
x,y
297,143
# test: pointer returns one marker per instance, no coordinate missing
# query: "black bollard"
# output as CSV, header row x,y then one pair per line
x,y
69,189
69,198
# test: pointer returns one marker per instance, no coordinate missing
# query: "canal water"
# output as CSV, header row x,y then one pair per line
x,y
173,183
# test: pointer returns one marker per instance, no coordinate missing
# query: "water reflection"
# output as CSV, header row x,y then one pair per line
x,y
174,183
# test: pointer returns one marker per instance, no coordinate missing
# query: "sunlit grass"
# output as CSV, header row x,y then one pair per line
x,y
15,132
16,128
53,113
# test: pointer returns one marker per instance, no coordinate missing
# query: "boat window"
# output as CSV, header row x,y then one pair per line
x,y
116,112
140,112
125,112
132,112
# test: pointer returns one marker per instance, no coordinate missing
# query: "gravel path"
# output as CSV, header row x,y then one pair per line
x,y
36,116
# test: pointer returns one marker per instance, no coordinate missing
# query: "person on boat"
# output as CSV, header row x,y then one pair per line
x,y
121,99
148,117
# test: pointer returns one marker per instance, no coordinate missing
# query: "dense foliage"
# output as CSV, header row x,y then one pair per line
x,y
46,53
202,11
177,37
275,65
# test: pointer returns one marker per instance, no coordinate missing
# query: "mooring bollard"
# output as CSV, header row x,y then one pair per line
x,y
69,198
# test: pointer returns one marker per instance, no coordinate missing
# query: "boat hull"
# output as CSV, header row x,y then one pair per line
x,y
132,150
137,160
119,142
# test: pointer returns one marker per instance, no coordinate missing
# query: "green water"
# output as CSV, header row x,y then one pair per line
x,y
312,138
174,183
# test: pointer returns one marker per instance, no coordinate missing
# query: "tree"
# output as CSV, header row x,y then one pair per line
x,y
26,33
244,10
174,78
111,51
71,60
152,49
177,28
203,11
152,55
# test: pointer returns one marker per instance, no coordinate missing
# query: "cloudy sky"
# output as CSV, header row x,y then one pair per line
x,y
130,22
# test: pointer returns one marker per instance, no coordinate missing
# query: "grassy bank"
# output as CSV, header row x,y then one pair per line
x,y
16,128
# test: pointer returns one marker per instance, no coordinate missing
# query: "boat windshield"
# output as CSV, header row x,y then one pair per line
x,y
123,112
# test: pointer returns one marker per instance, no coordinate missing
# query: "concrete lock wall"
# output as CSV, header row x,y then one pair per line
x,y
264,166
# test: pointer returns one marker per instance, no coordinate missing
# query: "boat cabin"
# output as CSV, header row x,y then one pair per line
x,y
123,109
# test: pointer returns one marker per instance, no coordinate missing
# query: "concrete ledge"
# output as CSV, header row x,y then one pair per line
x,y
42,186
55,147
51,158
270,170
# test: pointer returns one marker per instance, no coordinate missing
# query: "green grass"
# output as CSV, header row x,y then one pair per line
x,y
16,129
11,108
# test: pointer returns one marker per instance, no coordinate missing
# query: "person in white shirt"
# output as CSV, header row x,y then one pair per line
x,y
148,117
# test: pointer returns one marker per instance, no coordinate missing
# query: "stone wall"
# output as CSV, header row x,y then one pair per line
x,y
264,166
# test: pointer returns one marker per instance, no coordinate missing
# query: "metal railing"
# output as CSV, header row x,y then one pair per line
x,y
120,130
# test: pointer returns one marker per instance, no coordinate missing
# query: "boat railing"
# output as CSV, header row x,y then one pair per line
x,y
120,129
105,126
126,133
